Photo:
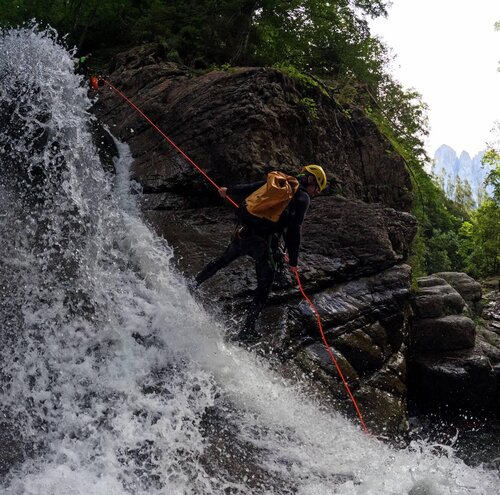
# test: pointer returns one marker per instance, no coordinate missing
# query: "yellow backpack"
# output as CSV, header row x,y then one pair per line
x,y
271,200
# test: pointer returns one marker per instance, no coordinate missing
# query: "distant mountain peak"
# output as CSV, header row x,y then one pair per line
x,y
448,167
464,156
445,147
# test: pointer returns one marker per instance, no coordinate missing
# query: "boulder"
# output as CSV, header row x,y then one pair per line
x,y
240,123
434,297
454,364
375,402
443,334
466,286
365,323
491,312
456,382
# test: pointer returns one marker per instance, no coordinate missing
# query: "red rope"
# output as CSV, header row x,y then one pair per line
x,y
320,326
313,307
157,129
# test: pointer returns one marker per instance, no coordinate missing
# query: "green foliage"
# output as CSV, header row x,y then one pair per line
x,y
457,236
463,194
480,237
303,80
90,24
440,220
311,106
480,246
324,37
492,157
417,257
435,247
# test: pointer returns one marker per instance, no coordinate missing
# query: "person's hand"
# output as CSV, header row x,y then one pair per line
x,y
294,269
223,192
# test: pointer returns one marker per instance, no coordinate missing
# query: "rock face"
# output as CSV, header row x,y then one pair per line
x,y
454,364
241,123
492,311
439,324
237,125
467,287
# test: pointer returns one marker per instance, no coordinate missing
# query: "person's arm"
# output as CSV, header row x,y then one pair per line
x,y
293,232
244,190
240,191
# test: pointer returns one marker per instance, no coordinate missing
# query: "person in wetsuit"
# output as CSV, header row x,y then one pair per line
x,y
260,240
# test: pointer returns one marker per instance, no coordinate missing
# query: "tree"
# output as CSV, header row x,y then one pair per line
x,y
480,244
463,194
492,157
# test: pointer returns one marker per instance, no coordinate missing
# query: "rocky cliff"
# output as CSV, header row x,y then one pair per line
x,y
237,125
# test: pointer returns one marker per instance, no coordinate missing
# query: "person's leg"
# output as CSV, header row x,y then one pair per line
x,y
265,277
232,252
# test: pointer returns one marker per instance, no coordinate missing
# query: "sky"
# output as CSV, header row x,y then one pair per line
x,y
449,51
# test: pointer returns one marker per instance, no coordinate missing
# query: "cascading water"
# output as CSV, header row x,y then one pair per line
x,y
113,379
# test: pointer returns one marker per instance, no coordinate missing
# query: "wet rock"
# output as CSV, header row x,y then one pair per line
x,y
466,286
392,378
346,239
443,334
490,342
491,311
454,361
238,124
105,145
434,297
361,351
365,324
315,357
462,381
375,402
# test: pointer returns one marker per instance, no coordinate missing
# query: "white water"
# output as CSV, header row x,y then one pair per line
x,y
101,411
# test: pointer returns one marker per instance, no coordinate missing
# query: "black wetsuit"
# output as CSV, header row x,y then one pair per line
x,y
260,240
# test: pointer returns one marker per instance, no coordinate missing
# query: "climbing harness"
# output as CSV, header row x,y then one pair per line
x,y
238,232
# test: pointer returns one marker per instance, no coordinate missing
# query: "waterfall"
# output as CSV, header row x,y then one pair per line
x,y
114,380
